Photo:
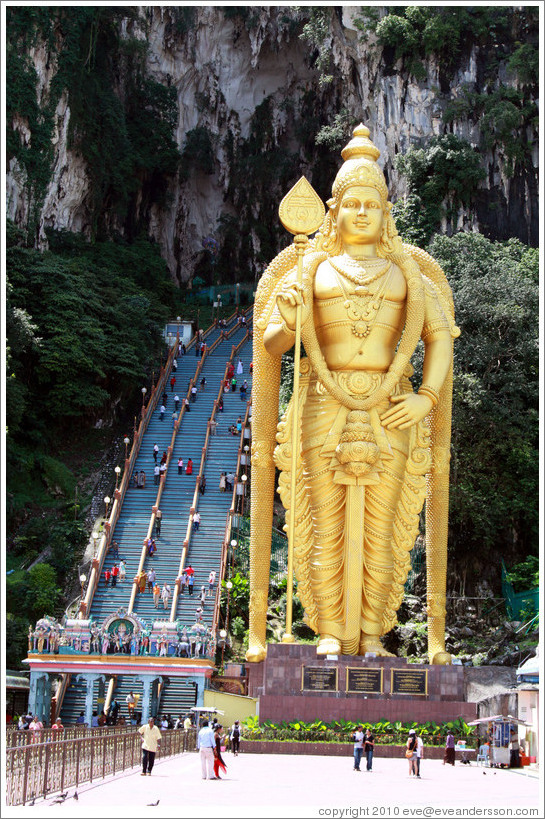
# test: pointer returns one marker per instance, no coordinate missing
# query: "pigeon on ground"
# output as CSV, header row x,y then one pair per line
x,y
76,797
153,804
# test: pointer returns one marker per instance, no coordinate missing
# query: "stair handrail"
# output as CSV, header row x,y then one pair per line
x,y
229,523
59,695
119,494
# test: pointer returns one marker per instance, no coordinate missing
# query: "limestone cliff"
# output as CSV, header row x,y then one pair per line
x,y
250,99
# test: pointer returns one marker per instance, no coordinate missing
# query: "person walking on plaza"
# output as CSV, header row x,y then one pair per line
x,y
240,367
235,737
206,743
57,729
357,738
174,365
107,575
151,743
190,584
218,759
162,470
193,393
368,748
158,521
419,754
450,753
410,752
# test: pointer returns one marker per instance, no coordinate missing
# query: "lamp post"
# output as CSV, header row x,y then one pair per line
x,y
107,500
243,478
246,451
126,441
82,580
223,638
144,391
95,536
178,319
117,470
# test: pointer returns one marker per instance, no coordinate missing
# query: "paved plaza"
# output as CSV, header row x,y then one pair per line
x,y
299,786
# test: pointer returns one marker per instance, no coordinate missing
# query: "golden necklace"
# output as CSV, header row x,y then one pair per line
x,y
358,272
361,306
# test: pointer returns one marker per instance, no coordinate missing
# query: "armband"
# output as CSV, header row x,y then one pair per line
x,y
430,393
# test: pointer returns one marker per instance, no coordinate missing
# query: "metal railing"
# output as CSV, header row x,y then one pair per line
x,y
40,769
16,738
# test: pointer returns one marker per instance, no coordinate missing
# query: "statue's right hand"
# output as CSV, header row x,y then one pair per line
x,y
287,300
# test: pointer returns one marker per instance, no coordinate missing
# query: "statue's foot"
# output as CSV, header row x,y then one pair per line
x,y
256,654
328,645
441,658
369,643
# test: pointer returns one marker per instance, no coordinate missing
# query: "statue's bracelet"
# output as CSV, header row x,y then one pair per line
x,y
430,393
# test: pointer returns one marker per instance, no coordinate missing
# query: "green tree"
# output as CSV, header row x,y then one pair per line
x,y
494,467
43,595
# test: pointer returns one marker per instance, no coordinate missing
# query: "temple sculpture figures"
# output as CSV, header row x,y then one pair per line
x,y
371,449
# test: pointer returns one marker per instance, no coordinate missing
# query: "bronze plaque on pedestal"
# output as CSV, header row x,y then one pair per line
x,y
405,681
364,680
319,679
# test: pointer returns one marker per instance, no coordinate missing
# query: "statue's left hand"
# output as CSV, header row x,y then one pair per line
x,y
409,409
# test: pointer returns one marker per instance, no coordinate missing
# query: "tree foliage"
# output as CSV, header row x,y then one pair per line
x,y
494,467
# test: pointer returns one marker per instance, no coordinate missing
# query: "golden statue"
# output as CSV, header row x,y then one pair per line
x,y
371,449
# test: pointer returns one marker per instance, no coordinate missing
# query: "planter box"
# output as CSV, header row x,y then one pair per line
x,y
252,746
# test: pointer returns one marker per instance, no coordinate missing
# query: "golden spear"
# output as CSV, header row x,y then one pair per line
x,y
301,212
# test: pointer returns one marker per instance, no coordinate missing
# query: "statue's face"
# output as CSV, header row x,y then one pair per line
x,y
360,216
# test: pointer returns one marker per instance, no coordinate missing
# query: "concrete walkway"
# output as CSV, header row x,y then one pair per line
x,y
300,786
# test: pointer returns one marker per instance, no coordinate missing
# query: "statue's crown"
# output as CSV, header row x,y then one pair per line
x,y
360,145
360,166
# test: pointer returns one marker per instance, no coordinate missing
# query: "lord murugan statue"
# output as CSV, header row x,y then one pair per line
x,y
370,450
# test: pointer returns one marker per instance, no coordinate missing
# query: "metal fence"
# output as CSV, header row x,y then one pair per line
x,y
16,738
39,769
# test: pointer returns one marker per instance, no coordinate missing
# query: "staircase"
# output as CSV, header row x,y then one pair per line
x,y
206,545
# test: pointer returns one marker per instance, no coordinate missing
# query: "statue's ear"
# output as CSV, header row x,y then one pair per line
x,y
330,203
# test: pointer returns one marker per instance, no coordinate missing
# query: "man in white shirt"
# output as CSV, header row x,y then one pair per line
x,y
358,747
206,743
151,742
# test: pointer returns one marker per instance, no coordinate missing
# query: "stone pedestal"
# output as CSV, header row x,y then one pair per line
x,y
284,684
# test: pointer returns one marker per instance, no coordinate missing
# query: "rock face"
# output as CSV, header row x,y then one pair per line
x,y
252,85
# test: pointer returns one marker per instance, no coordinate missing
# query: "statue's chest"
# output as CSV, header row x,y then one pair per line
x,y
358,300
